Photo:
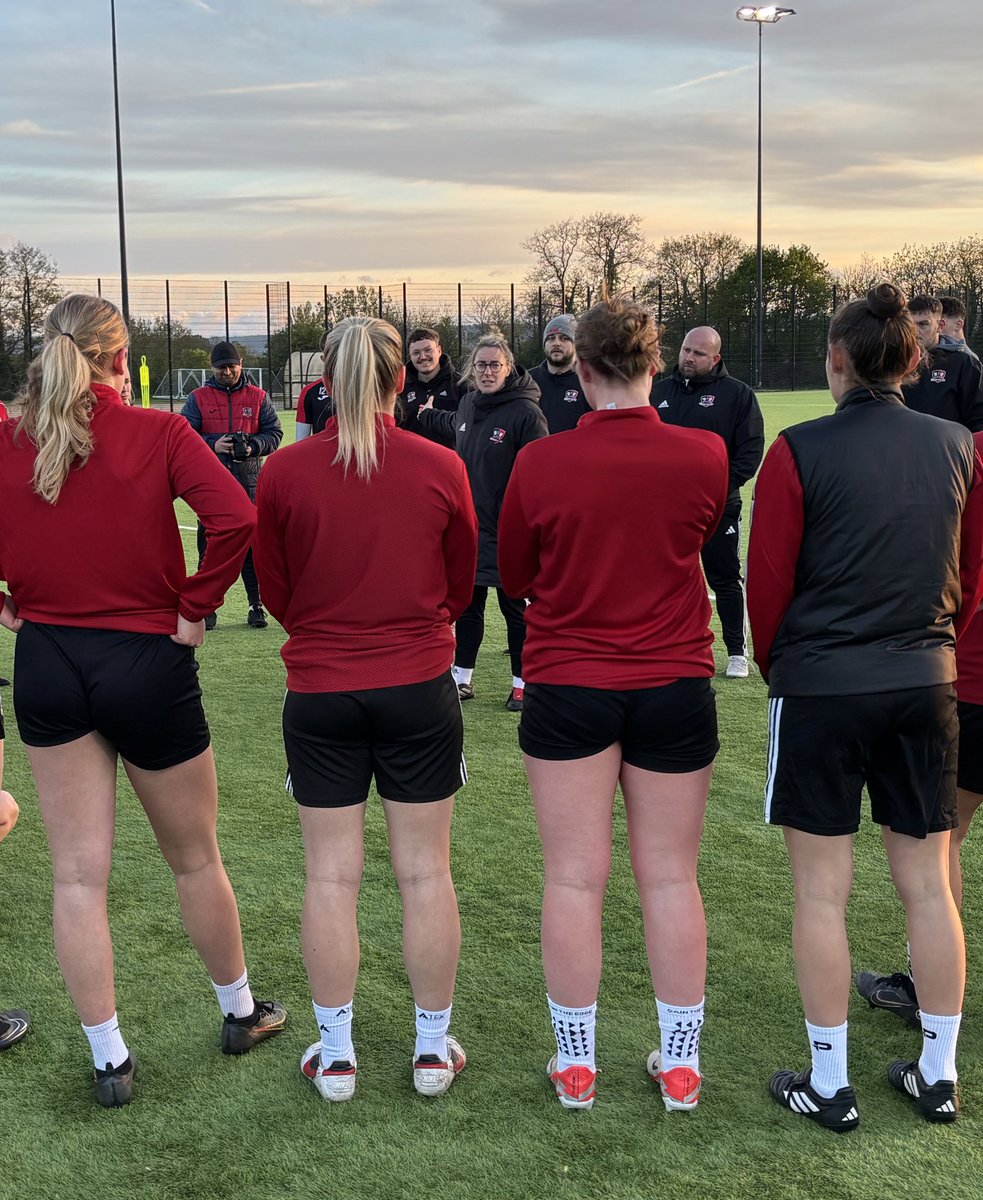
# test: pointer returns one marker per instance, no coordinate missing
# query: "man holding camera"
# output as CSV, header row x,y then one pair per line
x,y
238,420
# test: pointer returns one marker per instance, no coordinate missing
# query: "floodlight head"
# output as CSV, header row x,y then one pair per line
x,y
767,15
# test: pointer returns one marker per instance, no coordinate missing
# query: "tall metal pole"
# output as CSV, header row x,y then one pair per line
x,y
761,272
124,282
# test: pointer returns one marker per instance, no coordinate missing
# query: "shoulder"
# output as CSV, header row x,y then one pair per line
x,y
701,443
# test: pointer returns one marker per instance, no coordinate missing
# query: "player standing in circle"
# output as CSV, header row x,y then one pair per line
x,y
104,661
618,663
491,426
865,565
366,553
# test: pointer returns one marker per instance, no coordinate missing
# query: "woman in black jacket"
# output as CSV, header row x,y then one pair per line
x,y
491,425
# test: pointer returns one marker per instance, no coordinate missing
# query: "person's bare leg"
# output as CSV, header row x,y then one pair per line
x,y
420,845
665,823
574,804
76,786
822,868
181,803
920,870
334,850
969,802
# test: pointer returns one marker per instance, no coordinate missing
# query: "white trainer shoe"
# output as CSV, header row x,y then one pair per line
x,y
335,1083
432,1076
737,667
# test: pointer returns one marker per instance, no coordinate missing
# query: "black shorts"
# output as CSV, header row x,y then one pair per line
x,y
970,775
138,690
670,729
2,734
823,749
410,737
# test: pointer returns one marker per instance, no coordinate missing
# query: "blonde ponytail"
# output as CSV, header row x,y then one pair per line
x,y
362,358
83,334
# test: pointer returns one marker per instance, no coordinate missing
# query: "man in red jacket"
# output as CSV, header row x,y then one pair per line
x,y
238,420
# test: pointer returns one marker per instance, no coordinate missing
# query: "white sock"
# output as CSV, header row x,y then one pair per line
x,y
235,999
106,1043
517,682
938,1060
574,1029
431,1031
335,1026
828,1047
680,1026
462,674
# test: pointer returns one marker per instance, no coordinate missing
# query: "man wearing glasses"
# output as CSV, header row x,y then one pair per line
x,y
238,420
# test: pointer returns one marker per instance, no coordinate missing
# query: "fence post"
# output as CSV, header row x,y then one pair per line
x,y
793,336
325,308
460,323
405,313
226,290
269,343
170,346
512,316
660,303
289,399
28,321
540,338
706,303
380,301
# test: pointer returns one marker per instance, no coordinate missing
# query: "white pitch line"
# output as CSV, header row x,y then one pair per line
x,y
189,528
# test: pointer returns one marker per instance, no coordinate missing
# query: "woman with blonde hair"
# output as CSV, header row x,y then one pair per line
x,y
603,527
104,664
491,425
366,555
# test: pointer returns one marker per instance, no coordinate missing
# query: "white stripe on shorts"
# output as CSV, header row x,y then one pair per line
x,y
774,724
464,771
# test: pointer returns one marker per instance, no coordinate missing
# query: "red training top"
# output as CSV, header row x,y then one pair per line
x,y
3,412
603,527
108,554
366,575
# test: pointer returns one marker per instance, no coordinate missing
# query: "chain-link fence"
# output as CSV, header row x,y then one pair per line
x,y
279,325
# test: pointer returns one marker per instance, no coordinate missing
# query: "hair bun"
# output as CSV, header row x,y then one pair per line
x,y
885,301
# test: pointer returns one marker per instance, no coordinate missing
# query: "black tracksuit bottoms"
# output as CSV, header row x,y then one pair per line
x,y
722,564
470,628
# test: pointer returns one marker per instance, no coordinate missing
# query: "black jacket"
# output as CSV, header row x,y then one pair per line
x,y
489,431
562,397
723,405
948,386
877,577
447,388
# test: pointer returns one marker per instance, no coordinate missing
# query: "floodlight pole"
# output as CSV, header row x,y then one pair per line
x,y
124,283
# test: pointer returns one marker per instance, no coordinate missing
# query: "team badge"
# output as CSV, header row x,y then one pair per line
x,y
497,436
571,395
247,412
707,401
938,376
444,393
411,397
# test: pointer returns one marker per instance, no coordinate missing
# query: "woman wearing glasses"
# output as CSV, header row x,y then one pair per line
x,y
492,424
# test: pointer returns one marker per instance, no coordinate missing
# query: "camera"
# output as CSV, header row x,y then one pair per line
x,y
240,447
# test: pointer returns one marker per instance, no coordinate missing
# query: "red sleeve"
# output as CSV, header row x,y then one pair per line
x,y
777,523
461,549
518,541
269,553
3,412
301,418
224,509
971,547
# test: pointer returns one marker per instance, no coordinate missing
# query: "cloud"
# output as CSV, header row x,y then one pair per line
x,y
27,129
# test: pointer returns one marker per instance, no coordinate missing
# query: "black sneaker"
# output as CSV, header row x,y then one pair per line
x,y
465,691
240,1034
114,1085
257,617
14,1024
896,993
939,1103
794,1091
211,620
4,681
515,700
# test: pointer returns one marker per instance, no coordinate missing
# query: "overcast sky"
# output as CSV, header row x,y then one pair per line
x,y
423,139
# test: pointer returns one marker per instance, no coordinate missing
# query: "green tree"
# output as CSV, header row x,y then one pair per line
x,y
28,289
148,338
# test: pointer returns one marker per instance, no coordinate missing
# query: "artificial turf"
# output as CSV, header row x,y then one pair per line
x,y
206,1126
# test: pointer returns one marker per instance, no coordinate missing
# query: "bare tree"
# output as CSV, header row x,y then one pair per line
x,y
858,278
689,267
556,271
28,288
614,251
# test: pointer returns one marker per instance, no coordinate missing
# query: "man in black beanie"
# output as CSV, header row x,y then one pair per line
x,y
238,421
561,396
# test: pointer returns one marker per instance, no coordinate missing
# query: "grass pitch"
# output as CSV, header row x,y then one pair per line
x,y
205,1126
